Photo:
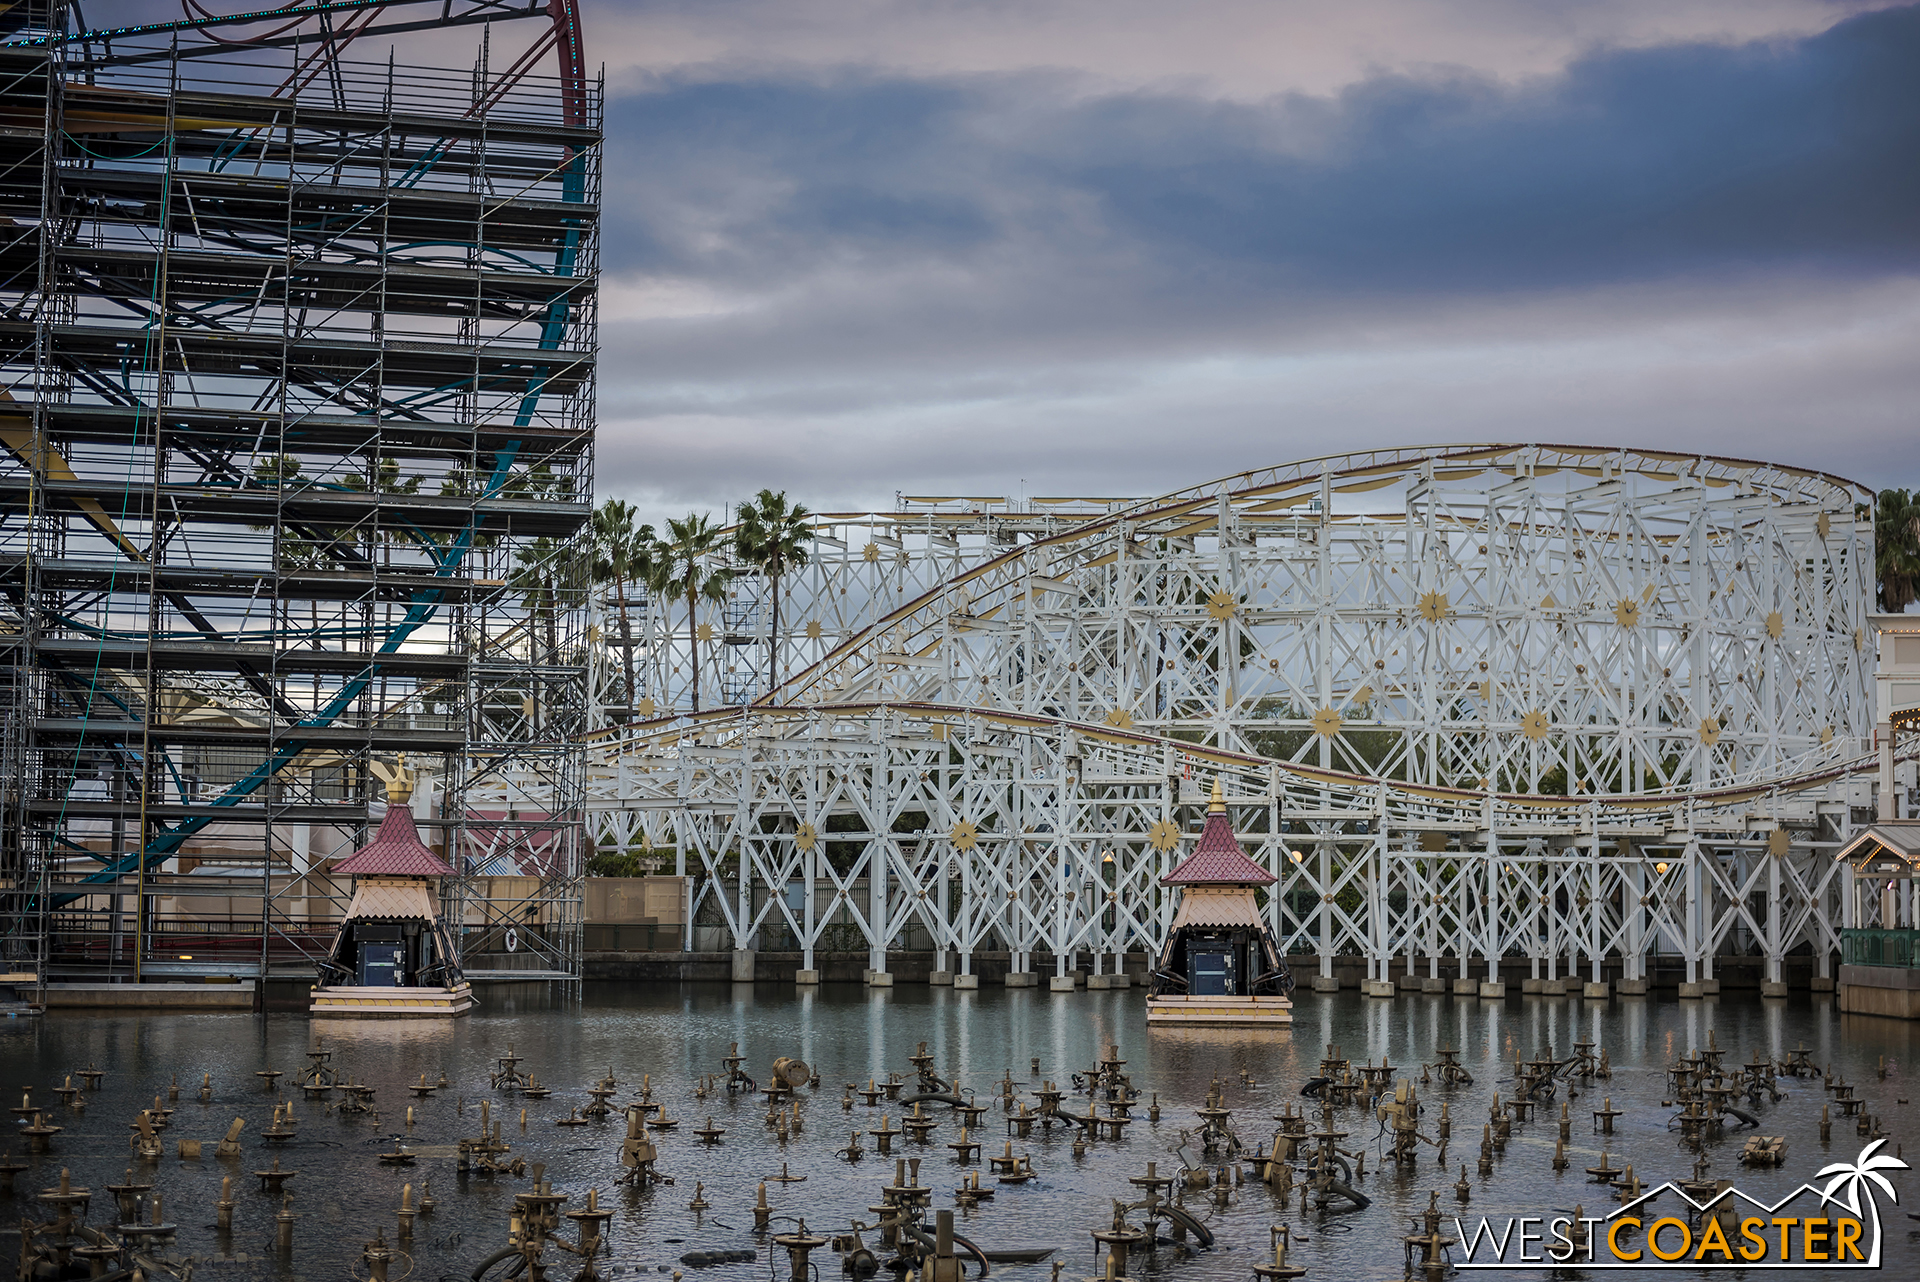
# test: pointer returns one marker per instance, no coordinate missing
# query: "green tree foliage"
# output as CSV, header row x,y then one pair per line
x,y
549,575
683,568
622,555
1896,547
772,538
622,863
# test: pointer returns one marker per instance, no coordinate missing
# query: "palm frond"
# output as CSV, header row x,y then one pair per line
x,y
1873,1160
1851,1182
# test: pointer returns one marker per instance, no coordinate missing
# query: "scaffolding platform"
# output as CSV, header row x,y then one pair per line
x,y
296,452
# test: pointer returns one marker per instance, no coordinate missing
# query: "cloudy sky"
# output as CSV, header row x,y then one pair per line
x,y
857,247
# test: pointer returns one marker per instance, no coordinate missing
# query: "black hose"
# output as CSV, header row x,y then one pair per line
x,y
1742,1114
1315,1085
976,1252
931,1244
1360,1200
933,1097
492,1260
1271,977
1193,1226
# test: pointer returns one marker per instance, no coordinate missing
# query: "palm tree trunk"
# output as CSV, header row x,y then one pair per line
x,y
773,645
693,643
626,644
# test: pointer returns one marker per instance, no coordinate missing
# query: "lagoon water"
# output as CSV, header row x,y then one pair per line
x,y
679,1033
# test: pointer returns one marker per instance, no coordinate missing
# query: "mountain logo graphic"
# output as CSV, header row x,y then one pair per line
x,y
1835,1226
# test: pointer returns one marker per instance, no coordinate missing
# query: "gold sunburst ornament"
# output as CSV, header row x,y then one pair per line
x,y
966,835
1163,836
1119,719
1710,731
1824,525
871,552
1535,725
1626,613
1776,625
1221,605
1433,607
646,707
704,632
1326,722
805,837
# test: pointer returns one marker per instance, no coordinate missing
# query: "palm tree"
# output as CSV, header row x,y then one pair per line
x,y
546,575
773,538
622,554
1896,548
1853,1177
682,568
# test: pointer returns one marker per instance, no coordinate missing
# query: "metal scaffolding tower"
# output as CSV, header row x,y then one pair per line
x,y
296,363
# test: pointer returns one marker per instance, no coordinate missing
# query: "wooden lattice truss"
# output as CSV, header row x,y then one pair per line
x,y
1578,620
985,829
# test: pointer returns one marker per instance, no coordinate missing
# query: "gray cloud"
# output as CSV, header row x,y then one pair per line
x,y
858,282
1240,49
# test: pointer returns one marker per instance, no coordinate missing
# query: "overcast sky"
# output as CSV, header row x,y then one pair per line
x,y
855,247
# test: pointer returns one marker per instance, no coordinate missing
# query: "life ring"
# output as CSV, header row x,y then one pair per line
x,y
513,939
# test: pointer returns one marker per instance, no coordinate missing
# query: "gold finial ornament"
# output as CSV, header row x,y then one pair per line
x,y
399,780
1218,806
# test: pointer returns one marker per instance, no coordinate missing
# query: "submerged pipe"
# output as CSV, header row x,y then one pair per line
x,y
933,1097
1360,1200
1201,1232
503,1254
928,1241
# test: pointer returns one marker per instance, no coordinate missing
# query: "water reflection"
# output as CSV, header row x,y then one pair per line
x,y
678,1033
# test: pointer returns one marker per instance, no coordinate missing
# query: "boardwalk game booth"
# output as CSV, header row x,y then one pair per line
x,y
393,957
1221,964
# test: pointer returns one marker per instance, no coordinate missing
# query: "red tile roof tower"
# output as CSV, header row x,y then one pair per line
x,y
1219,859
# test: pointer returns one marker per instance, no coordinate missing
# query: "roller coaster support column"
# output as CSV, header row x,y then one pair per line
x,y
1377,961
1490,941
1775,983
1633,961
1889,809
743,931
1325,982
808,973
1596,986
1697,919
